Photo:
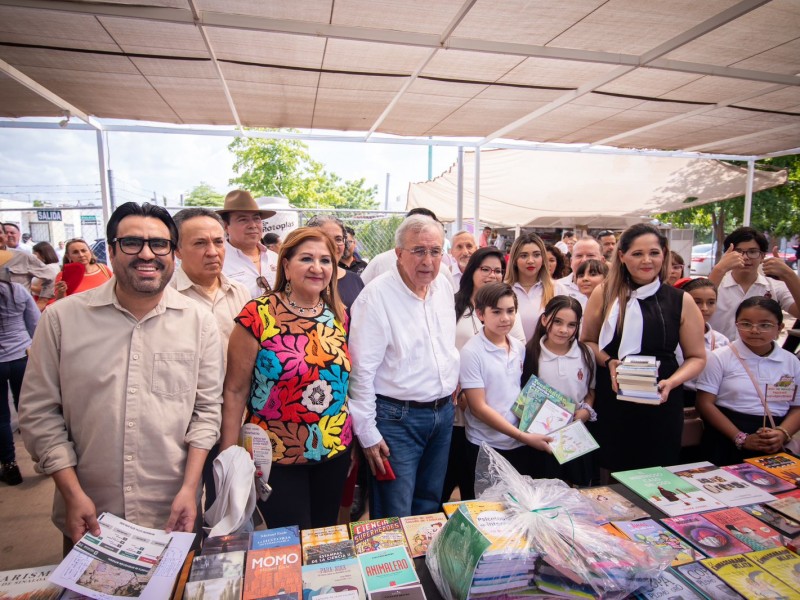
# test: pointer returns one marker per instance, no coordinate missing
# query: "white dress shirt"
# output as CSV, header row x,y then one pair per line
x,y
239,267
572,290
402,346
387,261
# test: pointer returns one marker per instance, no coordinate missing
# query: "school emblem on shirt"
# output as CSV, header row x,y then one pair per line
x,y
580,374
785,381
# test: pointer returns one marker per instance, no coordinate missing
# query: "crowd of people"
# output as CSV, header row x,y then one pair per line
x,y
130,379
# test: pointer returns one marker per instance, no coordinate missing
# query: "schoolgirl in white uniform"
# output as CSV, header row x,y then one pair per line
x,y
747,393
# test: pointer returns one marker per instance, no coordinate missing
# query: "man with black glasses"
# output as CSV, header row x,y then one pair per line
x,y
744,272
121,400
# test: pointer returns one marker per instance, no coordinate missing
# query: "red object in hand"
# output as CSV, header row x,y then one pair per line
x,y
72,274
388,475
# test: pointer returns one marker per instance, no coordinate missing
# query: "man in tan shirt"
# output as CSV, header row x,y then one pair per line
x,y
122,396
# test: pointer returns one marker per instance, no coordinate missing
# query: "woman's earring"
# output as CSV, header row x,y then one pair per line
x,y
288,287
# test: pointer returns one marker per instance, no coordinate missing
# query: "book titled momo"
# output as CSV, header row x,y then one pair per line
x,y
666,491
420,530
339,580
782,465
747,578
722,485
782,563
705,536
377,534
706,583
29,584
272,573
759,478
389,568
648,531
746,528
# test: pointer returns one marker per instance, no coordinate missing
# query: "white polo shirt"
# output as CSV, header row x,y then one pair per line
x,y
239,267
730,295
713,340
571,289
725,377
498,373
567,373
530,304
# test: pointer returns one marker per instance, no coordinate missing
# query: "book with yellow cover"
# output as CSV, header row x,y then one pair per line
x,y
782,563
747,578
420,529
323,535
781,465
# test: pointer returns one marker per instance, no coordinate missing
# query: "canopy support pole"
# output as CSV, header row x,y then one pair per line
x,y
460,190
748,194
476,196
101,163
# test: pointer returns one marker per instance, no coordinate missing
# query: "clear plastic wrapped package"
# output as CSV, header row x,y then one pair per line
x,y
524,535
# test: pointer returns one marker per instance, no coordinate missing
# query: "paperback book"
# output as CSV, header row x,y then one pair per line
x,y
669,585
387,568
273,573
747,578
29,584
377,534
572,441
780,562
759,478
777,521
226,543
420,530
324,535
650,532
706,583
613,505
407,592
705,536
533,396
331,552
756,534
216,577
457,551
450,507
548,418
666,491
637,379
722,485
275,538
339,580
788,506
782,465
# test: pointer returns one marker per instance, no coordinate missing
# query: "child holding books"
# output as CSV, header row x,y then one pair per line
x,y
747,394
704,293
491,367
555,356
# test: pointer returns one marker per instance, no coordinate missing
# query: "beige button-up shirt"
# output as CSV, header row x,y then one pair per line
x,y
225,305
122,400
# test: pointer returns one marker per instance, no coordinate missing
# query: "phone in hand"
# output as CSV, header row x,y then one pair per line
x,y
388,474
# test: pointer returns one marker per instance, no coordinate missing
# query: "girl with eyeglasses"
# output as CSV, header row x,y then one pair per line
x,y
747,393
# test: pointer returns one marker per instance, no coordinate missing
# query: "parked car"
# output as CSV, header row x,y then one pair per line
x,y
702,259
99,250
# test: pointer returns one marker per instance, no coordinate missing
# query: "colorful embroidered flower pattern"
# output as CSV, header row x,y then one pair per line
x,y
300,381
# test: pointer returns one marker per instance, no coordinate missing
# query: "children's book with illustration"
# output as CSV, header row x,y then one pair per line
x,y
548,418
782,563
782,465
705,536
648,531
572,441
333,551
450,507
420,530
788,506
216,576
387,568
777,521
746,528
612,505
29,584
226,543
274,572
377,534
722,485
324,535
668,585
338,580
458,550
666,491
533,397
275,538
747,578
759,478
706,583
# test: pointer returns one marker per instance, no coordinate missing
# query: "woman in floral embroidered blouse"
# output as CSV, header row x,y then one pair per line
x,y
288,364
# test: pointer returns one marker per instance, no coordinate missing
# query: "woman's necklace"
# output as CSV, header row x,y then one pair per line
x,y
302,309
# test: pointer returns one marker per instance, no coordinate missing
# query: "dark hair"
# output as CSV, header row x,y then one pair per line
x,y
466,286
745,234
533,348
422,211
676,259
270,238
46,251
594,266
697,284
66,259
9,223
567,233
489,295
192,213
350,230
561,262
767,304
132,209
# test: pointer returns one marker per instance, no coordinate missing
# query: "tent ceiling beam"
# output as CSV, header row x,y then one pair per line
x,y
741,138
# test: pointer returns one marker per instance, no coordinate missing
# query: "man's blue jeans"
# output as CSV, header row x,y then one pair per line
x,y
419,444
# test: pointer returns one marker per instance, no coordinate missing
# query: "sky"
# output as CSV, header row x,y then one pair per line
x,y
62,163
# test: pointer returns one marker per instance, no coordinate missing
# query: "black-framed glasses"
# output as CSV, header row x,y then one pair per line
x,y
762,327
750,252
134,245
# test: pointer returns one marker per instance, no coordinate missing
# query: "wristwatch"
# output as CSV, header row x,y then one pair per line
x,y
740,439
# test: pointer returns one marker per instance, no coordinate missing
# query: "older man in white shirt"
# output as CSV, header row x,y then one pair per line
x,y
405,370
463,247
584,249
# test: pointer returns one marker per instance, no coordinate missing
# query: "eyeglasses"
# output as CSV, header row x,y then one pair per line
x,y
750,252
420,252
340,241
134,245
490,271
762,327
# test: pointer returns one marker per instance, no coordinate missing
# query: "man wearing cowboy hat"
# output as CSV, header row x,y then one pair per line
x,y
247,260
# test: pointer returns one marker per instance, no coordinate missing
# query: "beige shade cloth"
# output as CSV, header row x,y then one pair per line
x,y
557,189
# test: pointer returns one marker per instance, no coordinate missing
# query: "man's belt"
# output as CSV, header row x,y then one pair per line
x,y
413,404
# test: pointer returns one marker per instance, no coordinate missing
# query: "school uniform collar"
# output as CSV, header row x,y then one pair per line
x,y
729,281
491,347
748,354
573,352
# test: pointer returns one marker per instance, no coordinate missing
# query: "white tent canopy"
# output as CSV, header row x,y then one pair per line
x,y
555,189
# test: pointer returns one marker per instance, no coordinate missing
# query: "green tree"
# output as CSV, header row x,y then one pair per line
x,y
203,195
775,211
285,168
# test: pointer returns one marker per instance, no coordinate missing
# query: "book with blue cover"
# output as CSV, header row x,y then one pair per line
x,y
275,538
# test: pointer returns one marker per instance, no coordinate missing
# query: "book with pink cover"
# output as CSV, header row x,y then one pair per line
x,y
746,528
760,478
705,536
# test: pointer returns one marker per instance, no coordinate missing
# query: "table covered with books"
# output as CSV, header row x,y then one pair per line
x,y
687,531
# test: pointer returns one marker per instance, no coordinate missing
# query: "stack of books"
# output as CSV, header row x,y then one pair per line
x,y
637,379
